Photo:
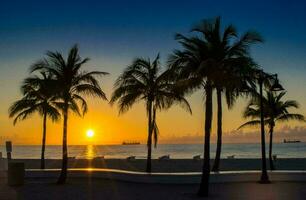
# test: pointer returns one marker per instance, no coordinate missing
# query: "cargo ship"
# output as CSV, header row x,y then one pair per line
x,y
292,141
130,143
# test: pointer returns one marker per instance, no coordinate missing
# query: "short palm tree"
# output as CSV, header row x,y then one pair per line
x,y
72,83
144,80
38,97
209,60
275,110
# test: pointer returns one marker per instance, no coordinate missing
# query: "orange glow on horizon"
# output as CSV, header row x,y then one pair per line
x,y
176,126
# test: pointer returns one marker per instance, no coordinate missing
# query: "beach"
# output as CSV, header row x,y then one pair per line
x,y
176,151
172,165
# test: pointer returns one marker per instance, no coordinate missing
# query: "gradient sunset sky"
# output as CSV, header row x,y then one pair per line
x,y
112,33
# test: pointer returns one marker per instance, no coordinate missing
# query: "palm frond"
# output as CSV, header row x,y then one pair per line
x,y
90,90
73,106
250,124
83,103
290,104
25,113
52,113
127,101
289,117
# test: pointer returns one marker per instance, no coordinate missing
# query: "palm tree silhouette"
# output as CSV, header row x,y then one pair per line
x,y
275,110
38,97
232,62
72,83
211,59
143,80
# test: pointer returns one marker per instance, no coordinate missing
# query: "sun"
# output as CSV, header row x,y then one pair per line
x,y
90,133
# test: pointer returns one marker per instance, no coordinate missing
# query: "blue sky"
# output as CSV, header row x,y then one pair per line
x,y
130,28
117,31
112,33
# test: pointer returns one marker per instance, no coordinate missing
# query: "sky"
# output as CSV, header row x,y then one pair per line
x,y
112,33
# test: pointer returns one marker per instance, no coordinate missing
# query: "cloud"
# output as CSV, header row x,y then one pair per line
x,y
241,136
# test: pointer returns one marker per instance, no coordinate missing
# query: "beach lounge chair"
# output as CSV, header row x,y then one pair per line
x,y
165,157
274,157
71,157
98,158
130,158
196,157
231,157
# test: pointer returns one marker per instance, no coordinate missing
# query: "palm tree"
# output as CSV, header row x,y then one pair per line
x,y
37,98
231,68
275,110
208,58
72,83
144,80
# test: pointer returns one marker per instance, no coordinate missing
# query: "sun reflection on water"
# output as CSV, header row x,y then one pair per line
x,y
90,152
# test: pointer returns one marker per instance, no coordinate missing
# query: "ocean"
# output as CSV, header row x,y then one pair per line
x,y
178,151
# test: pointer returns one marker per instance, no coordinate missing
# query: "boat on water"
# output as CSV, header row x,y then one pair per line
x,y
130,143
292,141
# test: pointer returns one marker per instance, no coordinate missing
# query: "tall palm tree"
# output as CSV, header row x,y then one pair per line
x,y
144,80
72,82
208,58
275,110
234,63
38,97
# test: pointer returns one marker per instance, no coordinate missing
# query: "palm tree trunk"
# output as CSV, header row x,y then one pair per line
x,y
149,141
270,148
43,145
153,126
63,175
264,178
216,165
203,190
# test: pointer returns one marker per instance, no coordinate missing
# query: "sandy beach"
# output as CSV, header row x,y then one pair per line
x,y
172,165
79,189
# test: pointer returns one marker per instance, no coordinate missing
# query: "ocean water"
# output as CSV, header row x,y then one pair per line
x,y
179,151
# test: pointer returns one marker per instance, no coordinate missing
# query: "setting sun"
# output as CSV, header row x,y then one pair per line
x,y
90,133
